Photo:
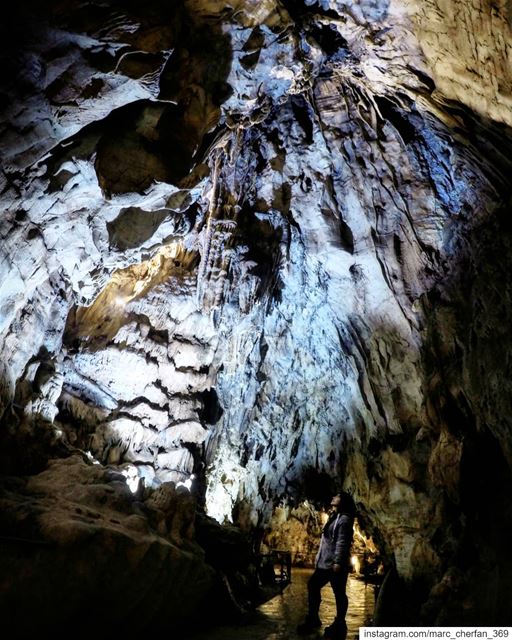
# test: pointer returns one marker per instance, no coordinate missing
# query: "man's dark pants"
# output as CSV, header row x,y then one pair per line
x,y
338,582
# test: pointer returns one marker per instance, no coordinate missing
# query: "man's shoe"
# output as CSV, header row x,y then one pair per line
x,y
309,625
336,631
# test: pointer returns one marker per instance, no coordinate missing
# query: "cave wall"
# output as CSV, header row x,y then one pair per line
x,y
265,242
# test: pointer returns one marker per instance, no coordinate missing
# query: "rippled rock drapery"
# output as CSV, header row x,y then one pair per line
x,y
265,242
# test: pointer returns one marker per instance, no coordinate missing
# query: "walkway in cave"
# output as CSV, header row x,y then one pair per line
x,y
278,618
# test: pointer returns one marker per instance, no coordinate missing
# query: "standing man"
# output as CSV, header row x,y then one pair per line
x,y
332,565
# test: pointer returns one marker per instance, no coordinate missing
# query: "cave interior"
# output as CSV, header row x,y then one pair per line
x,y
253,254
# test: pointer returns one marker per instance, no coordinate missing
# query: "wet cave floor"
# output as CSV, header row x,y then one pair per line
x,y
278,618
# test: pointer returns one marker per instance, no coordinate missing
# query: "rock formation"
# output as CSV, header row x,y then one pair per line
x,y
262,247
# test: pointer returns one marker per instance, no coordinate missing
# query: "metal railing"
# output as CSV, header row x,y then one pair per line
x,y
275,567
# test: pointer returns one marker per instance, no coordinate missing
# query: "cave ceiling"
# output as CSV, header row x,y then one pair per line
x,y
255,241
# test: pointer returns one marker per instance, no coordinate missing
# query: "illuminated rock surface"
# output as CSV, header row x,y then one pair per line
x,y
266,243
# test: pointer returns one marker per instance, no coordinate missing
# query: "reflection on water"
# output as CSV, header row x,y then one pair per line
x,y
278,618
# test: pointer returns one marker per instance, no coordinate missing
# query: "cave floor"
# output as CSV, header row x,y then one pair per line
x,y
278,618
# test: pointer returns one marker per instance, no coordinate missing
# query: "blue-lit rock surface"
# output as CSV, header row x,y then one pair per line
x,y
263,244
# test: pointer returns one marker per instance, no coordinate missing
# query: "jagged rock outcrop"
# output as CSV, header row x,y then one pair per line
x,y
255,244
80,551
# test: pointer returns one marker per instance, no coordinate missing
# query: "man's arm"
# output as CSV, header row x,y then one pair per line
x,y
343,542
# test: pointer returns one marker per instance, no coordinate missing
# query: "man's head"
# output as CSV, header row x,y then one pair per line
x,y
335,503
343,503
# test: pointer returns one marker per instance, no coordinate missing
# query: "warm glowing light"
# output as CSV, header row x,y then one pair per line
x,y
324,516
366,541
356,564
139,287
